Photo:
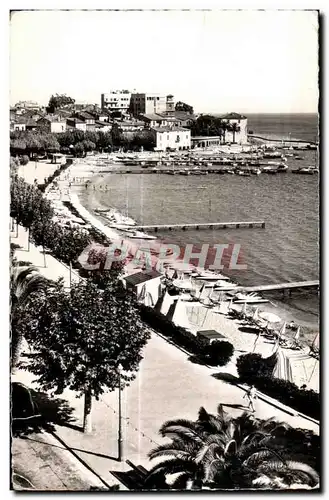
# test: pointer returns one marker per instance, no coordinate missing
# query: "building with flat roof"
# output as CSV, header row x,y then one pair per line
x,y
149,103
117,100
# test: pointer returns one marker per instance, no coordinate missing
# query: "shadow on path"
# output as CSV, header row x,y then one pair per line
x,y
33,411
226,377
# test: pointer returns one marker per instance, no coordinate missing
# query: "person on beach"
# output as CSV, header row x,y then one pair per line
x,y
252,396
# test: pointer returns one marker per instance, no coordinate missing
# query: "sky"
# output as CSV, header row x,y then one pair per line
x,y
216,61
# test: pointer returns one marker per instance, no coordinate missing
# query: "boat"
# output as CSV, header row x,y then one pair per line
x,y
256,171
282,167
140,235
304,171
269,170
249,298
207,275
243,174
297,157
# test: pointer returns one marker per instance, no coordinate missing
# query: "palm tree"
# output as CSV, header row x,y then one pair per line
x,y
234,127
24,282
218,451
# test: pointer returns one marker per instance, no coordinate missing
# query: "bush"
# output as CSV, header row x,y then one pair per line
x,y
218,353
179,335
24,160
304,400
254,369
253,365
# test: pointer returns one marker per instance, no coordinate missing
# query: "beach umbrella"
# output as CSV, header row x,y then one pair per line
x,y
283,330
297,334
255,315
270,317
202,290
142,294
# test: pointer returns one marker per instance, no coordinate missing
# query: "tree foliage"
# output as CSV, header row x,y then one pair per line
x,y
58,101
182,106
25,282
253,365
80,337
218,451
208,125
218,353
32,210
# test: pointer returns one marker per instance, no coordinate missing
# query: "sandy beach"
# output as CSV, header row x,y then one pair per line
x,y
302,368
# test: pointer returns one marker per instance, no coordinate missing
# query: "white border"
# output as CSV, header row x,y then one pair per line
x,y
4,195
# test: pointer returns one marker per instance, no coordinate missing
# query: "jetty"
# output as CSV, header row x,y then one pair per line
x,y
203,225
279,286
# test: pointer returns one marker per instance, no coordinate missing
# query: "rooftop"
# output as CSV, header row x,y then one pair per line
x,y
141,277
233,116
171,129
211,334
153,117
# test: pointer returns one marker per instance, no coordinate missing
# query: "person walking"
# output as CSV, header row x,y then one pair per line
x,y
252,396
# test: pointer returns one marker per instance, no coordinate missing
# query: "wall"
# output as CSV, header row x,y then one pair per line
x,y
19,126
240,137
168,139
152,288
57,127
115,101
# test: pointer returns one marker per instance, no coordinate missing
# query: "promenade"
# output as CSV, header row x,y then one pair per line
x,y
168,385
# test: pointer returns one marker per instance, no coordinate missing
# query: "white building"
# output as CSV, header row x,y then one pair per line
x,y
171,138
118,100
55,124
240,122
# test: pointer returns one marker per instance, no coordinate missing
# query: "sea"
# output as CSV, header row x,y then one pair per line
x,y
286,250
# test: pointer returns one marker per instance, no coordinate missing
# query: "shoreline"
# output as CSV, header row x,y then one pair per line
x,y
220,321
286,312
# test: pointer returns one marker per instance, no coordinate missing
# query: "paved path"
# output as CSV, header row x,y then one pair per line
x,y
49,466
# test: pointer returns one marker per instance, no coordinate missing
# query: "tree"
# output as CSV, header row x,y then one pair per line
x,y
234,128
222,452
24,282
182,106
60,101
24,160
80,338
116,134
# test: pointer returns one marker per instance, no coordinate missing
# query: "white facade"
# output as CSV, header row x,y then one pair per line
x,y
58,127
18,126
241,136
172,138
118,100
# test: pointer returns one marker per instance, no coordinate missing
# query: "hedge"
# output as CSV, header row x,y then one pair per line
x,y
303,400
254,365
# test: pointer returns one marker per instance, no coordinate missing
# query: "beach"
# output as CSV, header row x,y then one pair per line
x,y
200,317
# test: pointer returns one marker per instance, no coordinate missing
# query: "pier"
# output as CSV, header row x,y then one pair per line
x,y
204,225
280,286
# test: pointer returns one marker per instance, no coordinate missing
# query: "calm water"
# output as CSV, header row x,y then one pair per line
x,y
286,250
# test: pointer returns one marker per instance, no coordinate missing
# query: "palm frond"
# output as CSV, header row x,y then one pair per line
x,y
172,448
